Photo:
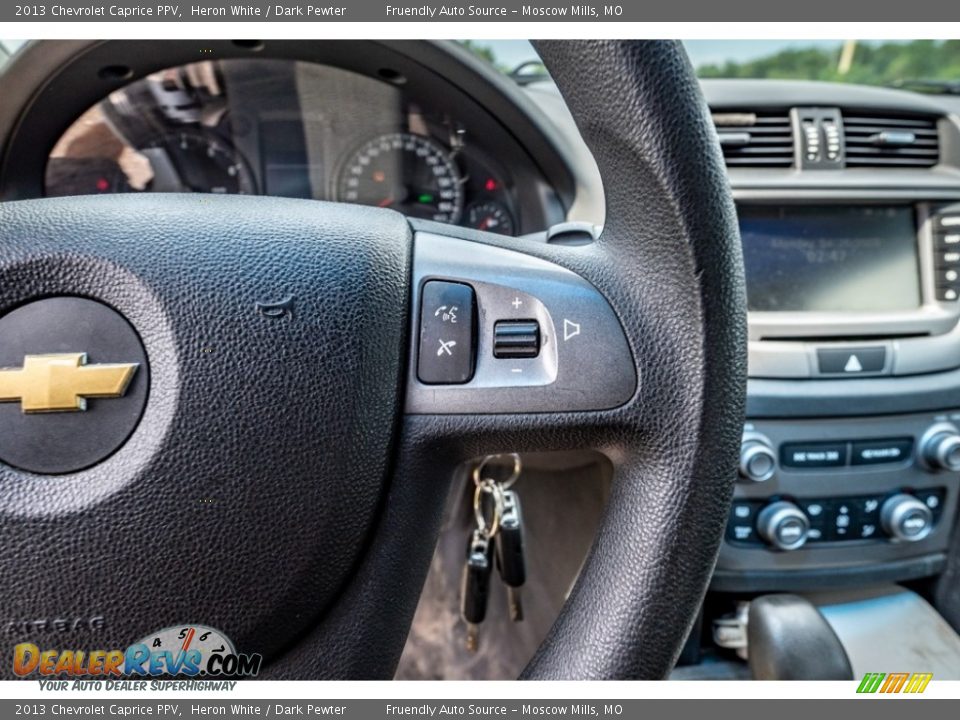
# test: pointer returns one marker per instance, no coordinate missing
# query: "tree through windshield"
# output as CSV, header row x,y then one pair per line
x,y
932,65
863,62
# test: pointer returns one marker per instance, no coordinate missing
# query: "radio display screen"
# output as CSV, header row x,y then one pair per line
x,y
830,258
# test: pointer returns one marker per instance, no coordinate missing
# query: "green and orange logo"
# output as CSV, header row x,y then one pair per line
x,y
894,683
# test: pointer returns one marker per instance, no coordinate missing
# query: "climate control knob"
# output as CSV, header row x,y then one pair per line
x,y
758,461
940,448
783,525
906,518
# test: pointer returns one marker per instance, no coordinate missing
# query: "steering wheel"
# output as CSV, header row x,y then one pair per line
x,y
269,464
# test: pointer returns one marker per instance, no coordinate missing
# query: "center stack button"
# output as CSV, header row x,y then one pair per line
x,y
783,525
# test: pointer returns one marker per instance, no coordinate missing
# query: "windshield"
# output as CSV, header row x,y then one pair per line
x,y
934,63
922,65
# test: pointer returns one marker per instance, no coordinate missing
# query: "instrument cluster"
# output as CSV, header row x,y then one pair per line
x,y
291,129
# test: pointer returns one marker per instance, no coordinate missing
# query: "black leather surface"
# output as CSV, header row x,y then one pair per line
x,y
788,639
243,498
670,263
672,266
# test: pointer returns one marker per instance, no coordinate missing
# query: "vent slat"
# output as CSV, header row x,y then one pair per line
x,y
889,121
873,130
772,140
760,161
762,139
865,147
879,161
870,150
753,130
765,150
919,142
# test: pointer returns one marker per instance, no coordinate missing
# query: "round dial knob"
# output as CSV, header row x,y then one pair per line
x,y
758,461
906,518
940,448
783,525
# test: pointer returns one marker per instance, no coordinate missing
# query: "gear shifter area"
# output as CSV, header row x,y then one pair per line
x,y
837,635
788,639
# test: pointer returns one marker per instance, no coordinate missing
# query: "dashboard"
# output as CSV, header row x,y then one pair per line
x,y
355,122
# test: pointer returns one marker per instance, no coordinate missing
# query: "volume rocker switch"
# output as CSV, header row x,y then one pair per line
x,y
447,351
516,339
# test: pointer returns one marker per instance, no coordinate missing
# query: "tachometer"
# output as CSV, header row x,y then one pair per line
x,y
409,173
491,216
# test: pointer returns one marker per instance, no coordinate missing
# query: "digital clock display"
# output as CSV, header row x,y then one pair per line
x,y
830,258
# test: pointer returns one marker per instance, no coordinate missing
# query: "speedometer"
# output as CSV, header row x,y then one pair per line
x,y
191,161
409,173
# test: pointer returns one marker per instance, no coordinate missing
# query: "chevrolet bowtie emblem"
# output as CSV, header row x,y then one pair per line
x,y
62,382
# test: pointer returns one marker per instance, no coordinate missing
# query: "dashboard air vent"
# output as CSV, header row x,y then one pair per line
x,y
885,141
755,139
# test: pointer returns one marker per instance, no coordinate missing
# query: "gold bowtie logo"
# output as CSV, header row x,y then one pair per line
x,y
62,382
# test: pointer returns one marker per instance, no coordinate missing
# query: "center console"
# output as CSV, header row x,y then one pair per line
x,y
845,298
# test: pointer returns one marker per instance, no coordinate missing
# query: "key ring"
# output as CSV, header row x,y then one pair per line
x,y
514,473
496,492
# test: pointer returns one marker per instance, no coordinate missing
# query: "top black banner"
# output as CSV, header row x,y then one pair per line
x,y
481,11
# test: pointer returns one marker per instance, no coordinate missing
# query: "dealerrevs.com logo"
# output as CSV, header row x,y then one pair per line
x,y
187,650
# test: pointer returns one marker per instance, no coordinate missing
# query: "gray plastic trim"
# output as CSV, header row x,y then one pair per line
x,y
905,356
914,634
814,578
741,94
785,398
584,363
936,183
912,356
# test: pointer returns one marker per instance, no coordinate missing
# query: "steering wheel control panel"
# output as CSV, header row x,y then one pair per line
x,y
841,494
504,332
447,334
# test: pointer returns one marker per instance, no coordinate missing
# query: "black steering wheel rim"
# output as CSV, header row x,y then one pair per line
x,y
668,262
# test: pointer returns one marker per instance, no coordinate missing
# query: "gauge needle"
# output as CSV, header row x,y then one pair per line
x,y
165,175
386,202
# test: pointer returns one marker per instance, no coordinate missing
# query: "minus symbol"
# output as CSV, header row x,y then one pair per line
x,y
517,370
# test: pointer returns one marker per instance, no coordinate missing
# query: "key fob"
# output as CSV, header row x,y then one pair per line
x,y
511,560
475,583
